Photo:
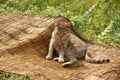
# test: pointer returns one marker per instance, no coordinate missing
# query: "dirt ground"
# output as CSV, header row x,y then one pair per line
x,y
29,58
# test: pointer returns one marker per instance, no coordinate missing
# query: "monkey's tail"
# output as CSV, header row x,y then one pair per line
x,y
90,59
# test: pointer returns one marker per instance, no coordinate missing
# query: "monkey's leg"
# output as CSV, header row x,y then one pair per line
x,y
50,52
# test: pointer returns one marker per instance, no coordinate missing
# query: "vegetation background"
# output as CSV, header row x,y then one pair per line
x,y
96,20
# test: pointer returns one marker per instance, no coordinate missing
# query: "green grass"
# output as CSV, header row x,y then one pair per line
x,y
10,76
96,20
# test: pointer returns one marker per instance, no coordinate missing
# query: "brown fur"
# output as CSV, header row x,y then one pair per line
x,y
59,40
70,26
68,45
